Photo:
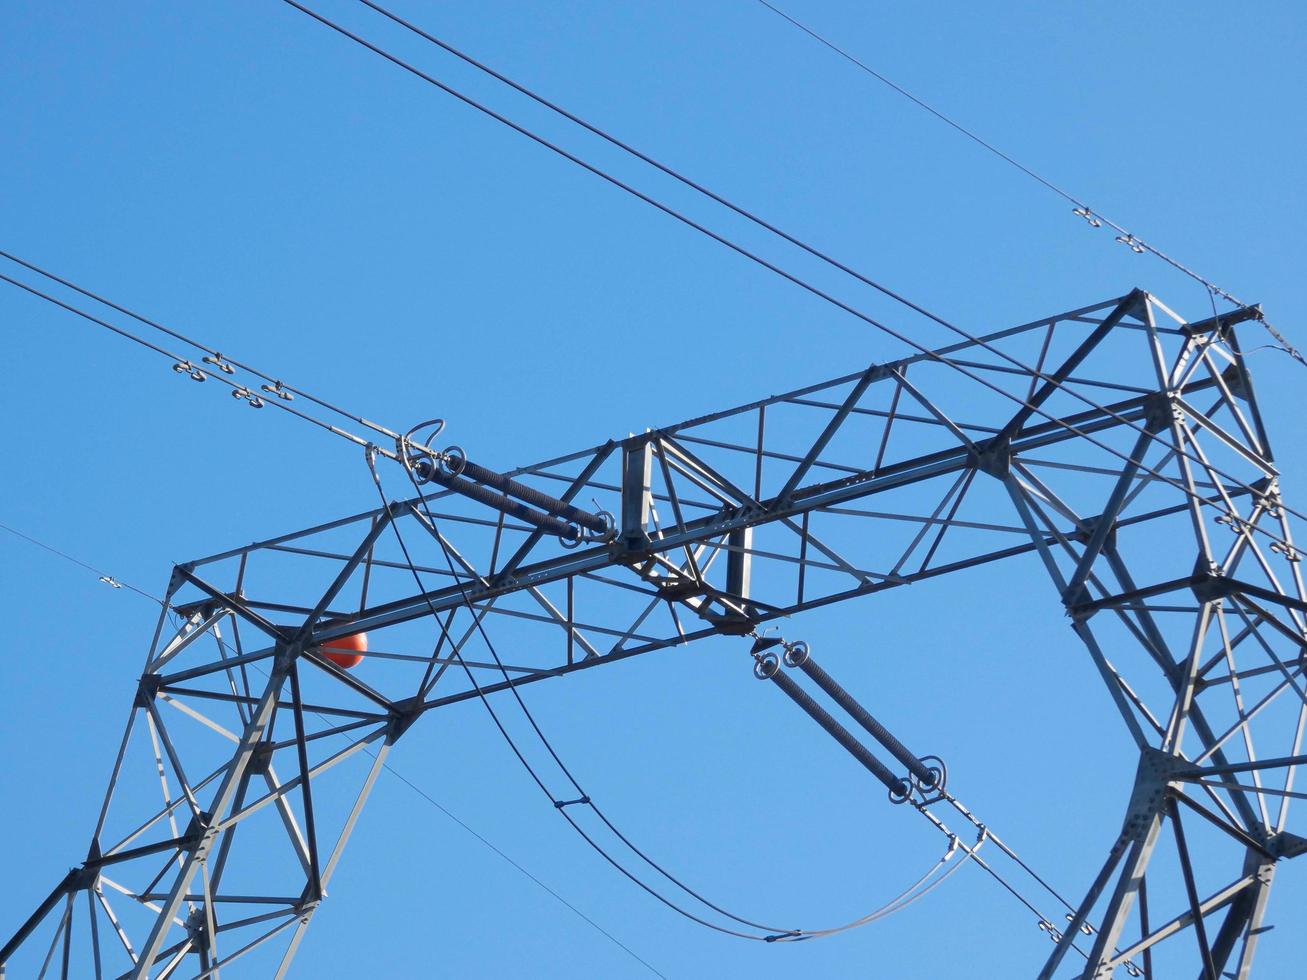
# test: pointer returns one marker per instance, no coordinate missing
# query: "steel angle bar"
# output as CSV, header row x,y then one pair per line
x,y
1213,903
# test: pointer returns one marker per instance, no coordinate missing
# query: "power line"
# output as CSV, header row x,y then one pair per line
x,y
184,366
242,391
799,281
770,227
1092,215
119,583
223,369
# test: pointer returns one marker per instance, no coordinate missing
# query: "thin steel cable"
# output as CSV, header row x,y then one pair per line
x,y
461,823
1045,921
778,935
604,932
589,801
798,281
1083,209
111,580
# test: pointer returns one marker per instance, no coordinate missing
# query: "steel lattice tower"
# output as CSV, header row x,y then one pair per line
x,y
1128,458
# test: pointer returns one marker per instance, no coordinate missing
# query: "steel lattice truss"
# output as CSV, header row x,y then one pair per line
x,y
1128,456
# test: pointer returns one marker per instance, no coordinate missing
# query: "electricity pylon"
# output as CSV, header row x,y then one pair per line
x,y
1117,446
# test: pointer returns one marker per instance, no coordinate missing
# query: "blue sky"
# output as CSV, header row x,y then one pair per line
x,y
240,172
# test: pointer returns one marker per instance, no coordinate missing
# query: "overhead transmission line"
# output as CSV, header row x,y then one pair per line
x,y
1094,217
921,348
286,393
118,583
213,364
283,394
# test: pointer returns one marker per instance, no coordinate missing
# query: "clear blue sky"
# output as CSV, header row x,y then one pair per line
x,y
239,171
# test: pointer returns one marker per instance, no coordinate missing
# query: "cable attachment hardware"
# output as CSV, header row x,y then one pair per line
x,y
927,775
610,522
1134,244
187,368
1236,524
249,396
560,804
110,581
277,389
454,471
217,361
765,665
1289,552
1085,927
1089,216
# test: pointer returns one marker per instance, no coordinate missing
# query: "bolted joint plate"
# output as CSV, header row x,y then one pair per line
x,y
995,460
1153,778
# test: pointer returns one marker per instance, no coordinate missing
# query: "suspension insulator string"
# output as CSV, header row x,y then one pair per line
x,y
922,789
798,655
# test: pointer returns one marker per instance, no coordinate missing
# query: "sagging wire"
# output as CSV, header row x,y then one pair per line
x,y
1092,216
777,270
771,934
